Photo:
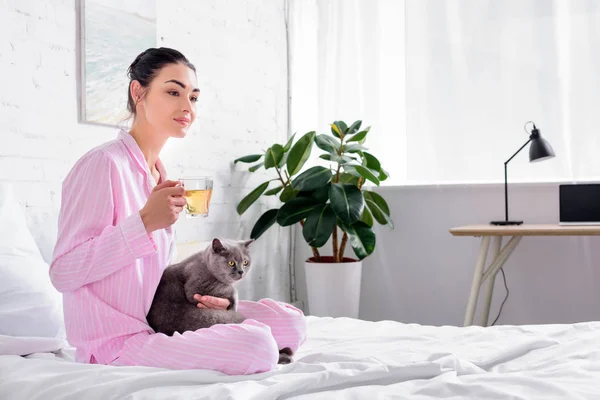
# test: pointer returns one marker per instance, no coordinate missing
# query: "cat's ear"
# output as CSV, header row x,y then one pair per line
x,y
247,243
217,246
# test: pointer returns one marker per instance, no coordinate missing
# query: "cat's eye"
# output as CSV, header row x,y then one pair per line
x,y
231,263
245,262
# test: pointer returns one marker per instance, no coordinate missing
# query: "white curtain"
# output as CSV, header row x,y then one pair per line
x,y
346,63
448,86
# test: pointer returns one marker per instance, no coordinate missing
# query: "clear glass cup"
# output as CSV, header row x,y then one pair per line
x,y
198,191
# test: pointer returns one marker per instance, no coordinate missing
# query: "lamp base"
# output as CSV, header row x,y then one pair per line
x,y
506,222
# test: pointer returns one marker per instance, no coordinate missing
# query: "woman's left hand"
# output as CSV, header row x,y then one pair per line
x,y
212,303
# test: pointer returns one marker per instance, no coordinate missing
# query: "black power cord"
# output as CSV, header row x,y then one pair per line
x,y
505,298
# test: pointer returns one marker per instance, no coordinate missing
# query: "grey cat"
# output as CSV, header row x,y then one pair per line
x,y
212,272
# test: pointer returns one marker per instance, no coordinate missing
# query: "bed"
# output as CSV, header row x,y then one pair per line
x,y
343,358
346,358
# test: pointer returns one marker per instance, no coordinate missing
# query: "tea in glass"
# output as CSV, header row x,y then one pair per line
x,y
198,192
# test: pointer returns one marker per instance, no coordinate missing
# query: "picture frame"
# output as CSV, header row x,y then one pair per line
x,y
110,35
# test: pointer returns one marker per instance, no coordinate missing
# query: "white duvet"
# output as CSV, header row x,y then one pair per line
x,y
351,359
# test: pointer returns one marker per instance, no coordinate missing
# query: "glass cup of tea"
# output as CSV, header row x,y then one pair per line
x,y
198,191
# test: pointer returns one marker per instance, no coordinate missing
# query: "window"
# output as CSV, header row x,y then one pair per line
x,y
448,86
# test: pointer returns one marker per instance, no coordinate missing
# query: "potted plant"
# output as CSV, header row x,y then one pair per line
x,y
331,203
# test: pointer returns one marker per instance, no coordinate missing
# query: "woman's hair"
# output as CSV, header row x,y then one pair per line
x,y
148,64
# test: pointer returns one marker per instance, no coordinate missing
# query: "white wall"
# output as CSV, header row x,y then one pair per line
x,y
239,51
421,273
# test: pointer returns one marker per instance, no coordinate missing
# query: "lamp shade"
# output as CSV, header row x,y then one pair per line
x,y
539,148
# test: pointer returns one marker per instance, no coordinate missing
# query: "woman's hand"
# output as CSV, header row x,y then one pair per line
x,y
212,303
163,206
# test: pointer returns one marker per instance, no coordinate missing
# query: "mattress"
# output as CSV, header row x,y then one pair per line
x,y
346,358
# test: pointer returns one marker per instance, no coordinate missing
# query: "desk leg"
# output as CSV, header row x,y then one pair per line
x,y
480,276
501,258
477,276
489,286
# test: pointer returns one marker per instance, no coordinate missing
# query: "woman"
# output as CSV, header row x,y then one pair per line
x,y
115,238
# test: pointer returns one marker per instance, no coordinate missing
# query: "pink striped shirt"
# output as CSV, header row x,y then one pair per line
x,y
105,263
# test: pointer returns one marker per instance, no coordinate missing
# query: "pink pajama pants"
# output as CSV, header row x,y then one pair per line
x,y
234,349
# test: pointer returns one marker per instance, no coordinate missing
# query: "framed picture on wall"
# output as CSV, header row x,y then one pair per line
x,y
111,33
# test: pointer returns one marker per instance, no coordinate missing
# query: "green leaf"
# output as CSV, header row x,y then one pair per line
x,y
288,145
283,160
380,201
336,131
295,210
371,162
273,156
360,137
274,191
328,143
299,153
367,174
342,127
339,128
255,167
354,128
264,222
322,193
361,238
346,159
349,178
251,197
378,207
347,202
367,218
338,159
354,148
350,169
312,179
383,175
248,159
319,225
288,193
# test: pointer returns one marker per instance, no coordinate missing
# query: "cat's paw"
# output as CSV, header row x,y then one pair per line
x,y
284,359
285,356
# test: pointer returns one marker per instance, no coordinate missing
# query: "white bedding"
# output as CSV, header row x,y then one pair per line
x,y
351,359
15,345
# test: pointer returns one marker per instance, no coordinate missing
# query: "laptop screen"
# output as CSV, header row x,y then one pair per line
x,y
579,203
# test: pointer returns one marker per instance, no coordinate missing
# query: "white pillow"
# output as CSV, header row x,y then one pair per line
x,y
29,305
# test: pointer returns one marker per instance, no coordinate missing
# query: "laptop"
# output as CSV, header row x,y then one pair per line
x,y
579,204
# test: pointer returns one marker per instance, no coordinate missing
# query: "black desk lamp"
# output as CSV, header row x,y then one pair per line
x,y
539,150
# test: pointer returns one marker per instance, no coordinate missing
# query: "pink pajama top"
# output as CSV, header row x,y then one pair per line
x,y
105,263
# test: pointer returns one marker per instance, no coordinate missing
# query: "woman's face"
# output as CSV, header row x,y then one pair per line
x,y
169,104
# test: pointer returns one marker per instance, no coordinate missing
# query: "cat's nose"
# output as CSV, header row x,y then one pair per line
x,y
240,272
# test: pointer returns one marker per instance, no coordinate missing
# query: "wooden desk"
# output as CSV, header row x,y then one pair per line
x,y
500,254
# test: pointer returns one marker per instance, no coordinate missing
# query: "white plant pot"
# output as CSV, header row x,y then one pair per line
x,y
333,288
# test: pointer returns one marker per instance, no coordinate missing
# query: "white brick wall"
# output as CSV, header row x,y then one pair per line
x,y
239,50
